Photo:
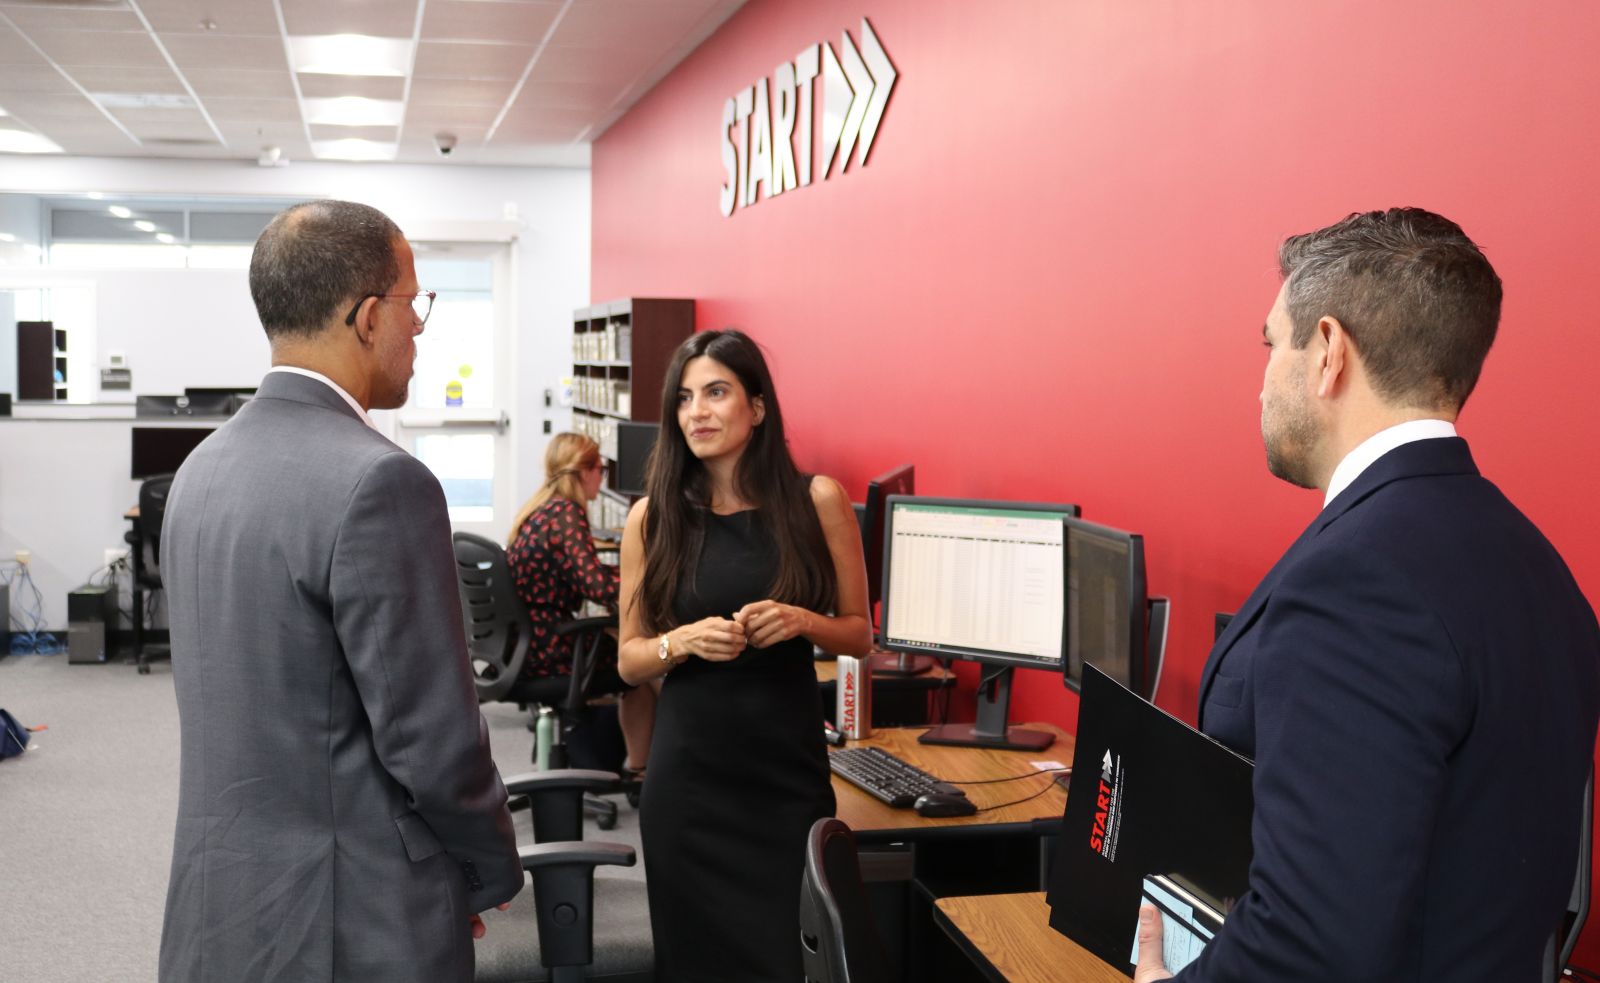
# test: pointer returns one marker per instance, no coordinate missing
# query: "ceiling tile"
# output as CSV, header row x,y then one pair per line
x,y
233,17
40,107
467,92
196,52
15,50
629,24
450,117
472,61
124,49
99,128
258,134
379,18
245,110
64,18
520,123
32,80
128,80
210,82
576,64
130,117
175,133
478,21
592,97
366,86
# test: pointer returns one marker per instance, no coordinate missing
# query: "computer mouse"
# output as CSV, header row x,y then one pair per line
x,y
935,805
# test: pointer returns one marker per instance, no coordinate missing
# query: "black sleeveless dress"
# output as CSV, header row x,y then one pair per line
x,y
738,773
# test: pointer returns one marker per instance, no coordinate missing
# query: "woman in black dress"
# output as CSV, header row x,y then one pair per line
x,y
732,568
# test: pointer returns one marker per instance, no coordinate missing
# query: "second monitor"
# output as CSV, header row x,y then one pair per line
x,y
983,581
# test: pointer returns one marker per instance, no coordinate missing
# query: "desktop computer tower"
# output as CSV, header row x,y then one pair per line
x,y
91,615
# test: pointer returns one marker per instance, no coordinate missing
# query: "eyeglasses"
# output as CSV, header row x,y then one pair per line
x,y
421,304
601,467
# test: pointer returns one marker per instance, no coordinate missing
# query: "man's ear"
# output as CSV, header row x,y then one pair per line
x,y
760,409
362,325
1334,358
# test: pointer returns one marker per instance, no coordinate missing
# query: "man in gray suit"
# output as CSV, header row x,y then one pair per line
x,y
339,817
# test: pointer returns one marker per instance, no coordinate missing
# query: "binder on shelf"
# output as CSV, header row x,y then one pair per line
x,y
1157,812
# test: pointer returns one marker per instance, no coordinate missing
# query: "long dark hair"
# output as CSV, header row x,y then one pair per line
x,y
680,493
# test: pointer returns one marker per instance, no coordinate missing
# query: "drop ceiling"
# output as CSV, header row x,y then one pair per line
x,y
512,81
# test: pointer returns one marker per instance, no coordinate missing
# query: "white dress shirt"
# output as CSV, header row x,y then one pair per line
x,y
331,385
1368,451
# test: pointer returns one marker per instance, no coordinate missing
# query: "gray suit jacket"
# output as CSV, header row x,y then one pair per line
x,y
339,817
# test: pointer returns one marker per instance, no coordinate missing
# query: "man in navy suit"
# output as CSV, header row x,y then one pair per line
x,y
1418,678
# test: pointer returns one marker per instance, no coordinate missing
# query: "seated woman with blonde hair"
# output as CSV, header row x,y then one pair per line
x,y
555,568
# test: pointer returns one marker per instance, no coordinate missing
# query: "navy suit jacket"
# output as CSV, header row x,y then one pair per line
x,y
1418,681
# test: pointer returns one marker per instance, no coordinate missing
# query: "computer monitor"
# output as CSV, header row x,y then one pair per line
x,y
635,440
160,406
160,450
983,581
1107,610
899,481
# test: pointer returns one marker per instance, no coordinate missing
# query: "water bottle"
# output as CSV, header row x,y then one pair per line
x,y
544,738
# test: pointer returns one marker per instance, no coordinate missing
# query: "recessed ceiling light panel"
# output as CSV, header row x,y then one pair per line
x,y
350,54
24,142
354,111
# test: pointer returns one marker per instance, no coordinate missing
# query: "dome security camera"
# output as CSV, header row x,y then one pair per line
x,y
445,143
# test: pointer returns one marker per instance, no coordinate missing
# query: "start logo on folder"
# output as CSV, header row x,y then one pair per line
x,y
1156,812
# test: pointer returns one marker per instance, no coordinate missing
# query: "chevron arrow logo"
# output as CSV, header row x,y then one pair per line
x,y
766,140
855,90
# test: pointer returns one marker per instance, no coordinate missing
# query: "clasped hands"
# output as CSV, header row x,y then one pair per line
x,y
759,624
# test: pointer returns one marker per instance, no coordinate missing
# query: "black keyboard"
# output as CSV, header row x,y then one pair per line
x,y
885,777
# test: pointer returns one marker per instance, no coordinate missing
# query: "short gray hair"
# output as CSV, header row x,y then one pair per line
x,y
317,257
1418,299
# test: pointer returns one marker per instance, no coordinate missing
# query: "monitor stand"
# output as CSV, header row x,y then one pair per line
x,y
899,664
990,730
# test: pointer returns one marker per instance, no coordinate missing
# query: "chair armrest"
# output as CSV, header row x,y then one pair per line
x,y
583,779
563,896
557,799
586,854
586,624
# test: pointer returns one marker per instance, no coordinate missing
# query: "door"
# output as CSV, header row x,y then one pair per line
x,y
458,416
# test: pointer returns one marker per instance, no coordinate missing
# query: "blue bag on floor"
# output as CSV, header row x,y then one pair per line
x,y
13,736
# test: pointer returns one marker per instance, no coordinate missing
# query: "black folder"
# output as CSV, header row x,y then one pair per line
x,y
1156,811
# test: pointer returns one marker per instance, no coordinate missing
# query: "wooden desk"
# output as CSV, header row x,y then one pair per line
x,y
1009,938
872,820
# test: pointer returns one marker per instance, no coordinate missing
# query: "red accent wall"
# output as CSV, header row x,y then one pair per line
x,y
1048,281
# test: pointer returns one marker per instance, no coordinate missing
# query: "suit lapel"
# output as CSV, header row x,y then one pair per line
x,y
1421,458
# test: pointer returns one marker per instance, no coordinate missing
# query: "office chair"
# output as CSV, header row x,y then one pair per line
x,y
839,941
147,558
498,634
570,903
1160,615
1558,950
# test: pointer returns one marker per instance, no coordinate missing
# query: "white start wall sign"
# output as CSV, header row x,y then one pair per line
x,y
771,150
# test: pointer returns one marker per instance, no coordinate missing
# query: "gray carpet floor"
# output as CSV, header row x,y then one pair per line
x,y
86,817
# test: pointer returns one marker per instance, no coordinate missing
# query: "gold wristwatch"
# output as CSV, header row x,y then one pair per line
x,y
664,649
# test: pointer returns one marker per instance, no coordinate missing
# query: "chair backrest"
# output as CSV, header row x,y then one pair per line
x,y
839,940
152,514
498,629
1558,950
1160,615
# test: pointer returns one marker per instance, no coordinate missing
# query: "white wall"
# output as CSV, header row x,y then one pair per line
x,y
546,209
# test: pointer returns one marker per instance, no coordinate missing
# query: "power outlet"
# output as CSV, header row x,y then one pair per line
x,y
24,557
115,555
